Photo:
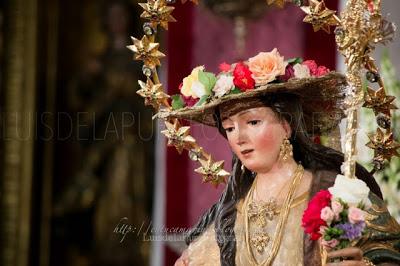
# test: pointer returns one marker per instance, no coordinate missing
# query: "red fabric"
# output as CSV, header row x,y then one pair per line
x,y
179,52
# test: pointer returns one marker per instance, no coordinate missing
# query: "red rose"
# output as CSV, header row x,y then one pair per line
x,y
322,70
311,220
312,66
242,77
224,67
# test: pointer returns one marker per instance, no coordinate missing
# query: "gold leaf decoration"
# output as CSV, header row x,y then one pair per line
x,y
178,136
379,101
158,12
319,16
212,172
146,51
153,94
383,144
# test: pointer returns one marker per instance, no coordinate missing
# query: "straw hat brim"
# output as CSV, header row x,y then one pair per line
x,y
322,100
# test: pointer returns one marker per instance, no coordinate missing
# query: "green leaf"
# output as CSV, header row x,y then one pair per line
x,y
202,100
177,102
295,60
236,90
208,79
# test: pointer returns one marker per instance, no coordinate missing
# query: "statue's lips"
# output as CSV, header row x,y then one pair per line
x,y
246,152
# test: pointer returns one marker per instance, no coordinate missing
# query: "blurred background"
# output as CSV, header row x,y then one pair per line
x,y
85,176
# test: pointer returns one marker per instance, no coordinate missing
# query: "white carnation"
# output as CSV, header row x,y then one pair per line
x,y
301,71
198,89
223,85
351,190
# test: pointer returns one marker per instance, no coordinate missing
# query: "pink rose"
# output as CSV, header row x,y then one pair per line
x,y
330,244
312,66
322,230
355,215
327,215
337,208
224,67
265,67
322,70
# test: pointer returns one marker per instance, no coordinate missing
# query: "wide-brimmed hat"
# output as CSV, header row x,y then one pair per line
x,y
322,99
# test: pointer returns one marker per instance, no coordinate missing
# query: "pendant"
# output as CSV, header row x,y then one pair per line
x,y
260,241
260,214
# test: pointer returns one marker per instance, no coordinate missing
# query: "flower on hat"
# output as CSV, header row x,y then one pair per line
x,y
224,67
301,71
223,85
322,70
191,86
316,70
312,66
242,77
266,66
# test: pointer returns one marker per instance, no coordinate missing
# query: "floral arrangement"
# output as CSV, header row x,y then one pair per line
x,y
266,67
337,215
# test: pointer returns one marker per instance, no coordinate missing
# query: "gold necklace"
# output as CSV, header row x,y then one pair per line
x,y
261,240
261,211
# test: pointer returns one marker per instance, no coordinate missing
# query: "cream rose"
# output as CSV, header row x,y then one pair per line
x,y
190,83
350,190
223,85
265,67
301,71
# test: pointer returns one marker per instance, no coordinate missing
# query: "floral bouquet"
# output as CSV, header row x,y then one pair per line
x,y
336,216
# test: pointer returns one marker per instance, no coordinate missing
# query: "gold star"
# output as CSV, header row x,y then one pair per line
x,y
383,144
146,51
278,3
212,172
153,94
379,102
178,136
194,1
320,16
158,12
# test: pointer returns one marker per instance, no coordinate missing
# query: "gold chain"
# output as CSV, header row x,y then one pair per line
x,y
281,223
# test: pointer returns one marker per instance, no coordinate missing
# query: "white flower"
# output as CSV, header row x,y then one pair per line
x,y
223,85
198,89
301,71
350,190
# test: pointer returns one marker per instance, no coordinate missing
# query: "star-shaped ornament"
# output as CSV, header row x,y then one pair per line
x,y
320,16
178,136
212,172
153,94
158,12
379,101
383,144
278,3
146,51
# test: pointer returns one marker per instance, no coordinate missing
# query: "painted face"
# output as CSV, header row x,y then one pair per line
x,y
255,136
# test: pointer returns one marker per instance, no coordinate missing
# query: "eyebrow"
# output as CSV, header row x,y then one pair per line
x,y
243,112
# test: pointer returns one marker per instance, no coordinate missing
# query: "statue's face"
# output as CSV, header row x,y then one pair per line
x,y
255,136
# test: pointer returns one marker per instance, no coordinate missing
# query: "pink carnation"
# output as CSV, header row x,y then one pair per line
x,y
327,215
337,208
355,215
312,66
224,67
330,244
322,70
